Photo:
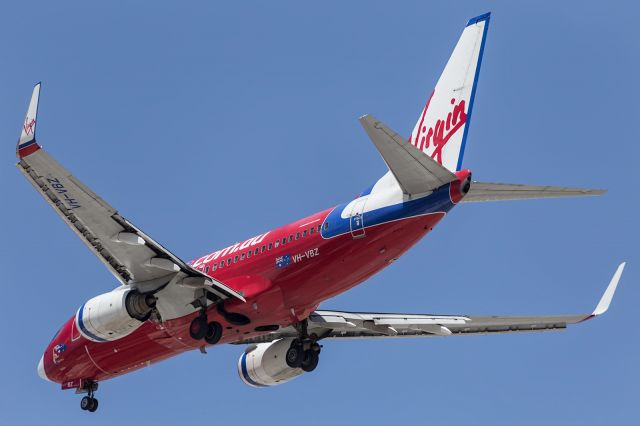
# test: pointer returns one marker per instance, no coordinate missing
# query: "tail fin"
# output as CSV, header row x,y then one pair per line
x,y
441,130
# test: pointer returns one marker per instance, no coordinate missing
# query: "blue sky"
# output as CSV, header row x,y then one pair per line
x,y
206,123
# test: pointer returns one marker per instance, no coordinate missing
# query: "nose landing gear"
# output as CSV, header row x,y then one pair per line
x,y
89,402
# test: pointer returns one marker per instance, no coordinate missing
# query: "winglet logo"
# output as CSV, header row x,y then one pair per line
x,y
29,124
437,136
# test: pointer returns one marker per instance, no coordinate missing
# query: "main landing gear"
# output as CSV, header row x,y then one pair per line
x,y
304,351
200,329
89,402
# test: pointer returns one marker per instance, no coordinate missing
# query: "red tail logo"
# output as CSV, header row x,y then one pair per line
x,y
28,125
436,135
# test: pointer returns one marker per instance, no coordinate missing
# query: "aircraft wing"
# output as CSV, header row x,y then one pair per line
x,y
131,255
336,325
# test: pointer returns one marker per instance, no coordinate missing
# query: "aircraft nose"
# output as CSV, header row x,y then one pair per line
x,y
41,371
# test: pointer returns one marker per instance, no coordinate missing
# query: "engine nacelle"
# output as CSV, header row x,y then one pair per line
x,y
114,315
265,365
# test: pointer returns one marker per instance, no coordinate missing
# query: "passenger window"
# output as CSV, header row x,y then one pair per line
x,y
304,233
277,244
206,270
263,248
215,266
235,259
257,250
326,226
284,240
270,245
222,264
228,261
297,235
312,230
242,256
249,254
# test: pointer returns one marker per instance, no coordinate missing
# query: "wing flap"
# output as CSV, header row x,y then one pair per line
x,y
484,191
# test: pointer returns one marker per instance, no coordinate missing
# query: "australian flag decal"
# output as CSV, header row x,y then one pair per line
x,y
283,261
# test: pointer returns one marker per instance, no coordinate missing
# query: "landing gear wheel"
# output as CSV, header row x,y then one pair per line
x,y
94,405
310,361
88,403
295,355
85,402
198,328
214,333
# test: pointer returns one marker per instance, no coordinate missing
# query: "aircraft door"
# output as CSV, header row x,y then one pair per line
x,y
356,220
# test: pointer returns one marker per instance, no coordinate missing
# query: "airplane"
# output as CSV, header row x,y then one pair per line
x,y
264,292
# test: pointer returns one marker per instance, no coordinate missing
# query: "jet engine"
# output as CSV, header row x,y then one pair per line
x,y
114,315
265,364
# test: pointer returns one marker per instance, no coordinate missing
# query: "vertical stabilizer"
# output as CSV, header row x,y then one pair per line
x,y
441,130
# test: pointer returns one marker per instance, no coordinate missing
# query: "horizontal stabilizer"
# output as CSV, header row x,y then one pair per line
x,y
483,191
415,171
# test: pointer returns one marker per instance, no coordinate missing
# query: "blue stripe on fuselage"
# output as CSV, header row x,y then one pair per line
x,y
439,201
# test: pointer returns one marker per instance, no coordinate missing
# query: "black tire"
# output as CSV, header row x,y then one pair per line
x,y
94,405
295,355
198,328
85,403
310,361
214,333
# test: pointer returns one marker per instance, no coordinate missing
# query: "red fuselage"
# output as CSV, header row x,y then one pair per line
x,y
282,285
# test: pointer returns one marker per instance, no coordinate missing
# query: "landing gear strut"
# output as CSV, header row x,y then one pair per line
x,y
88,403
304,351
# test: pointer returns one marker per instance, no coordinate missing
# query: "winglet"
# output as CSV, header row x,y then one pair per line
x,y
27,143
605,300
